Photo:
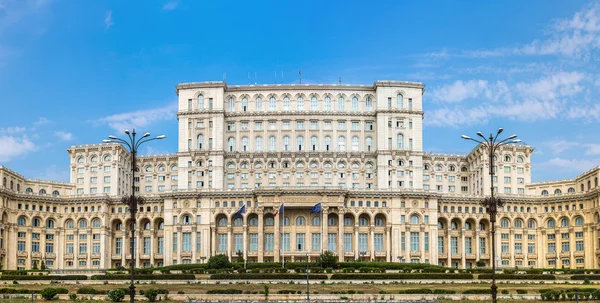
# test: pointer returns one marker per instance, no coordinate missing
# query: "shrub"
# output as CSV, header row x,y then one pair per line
x,y
228,291
480,263
90,291
517,277
250,276
145,277
328,259
25,277
505,291
581,277
218,262
73,297
444,292
586,281
181,292
478,291
398,276
522,291
49,293
116,295
151,294
416,291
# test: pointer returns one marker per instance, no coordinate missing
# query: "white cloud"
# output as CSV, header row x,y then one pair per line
x,y
592,149
171,5
41,121
559,146
12,130
552,87
108,20
587,113
454,118
150,151
459,91
64,136
568,165
14,146
138,119
51,173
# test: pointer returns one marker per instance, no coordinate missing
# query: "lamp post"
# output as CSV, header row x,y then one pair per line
x,y
492,204
307,287
132,201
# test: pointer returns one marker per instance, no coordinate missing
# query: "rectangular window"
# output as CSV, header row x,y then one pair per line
x,y
118,246
363,242
316,242
82,248
161,245
551,247
300,243
253,242
579,245
175,242
69,248
531,248
518,248
269,242
222,244
454,245
198,241
238,243
414,241
186,242
347,242
332,242
440,245
378,242
403,241
468,245
284,241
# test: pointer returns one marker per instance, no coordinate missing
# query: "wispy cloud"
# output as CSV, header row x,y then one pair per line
x,y
14,146
52,172
559,146
64,136
108,20
41,121
12,130
171,5
459,91
573,166
141,118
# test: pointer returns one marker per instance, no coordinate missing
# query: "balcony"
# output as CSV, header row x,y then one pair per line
x,y
484,256
50,256
471,256
68,256
597,251
22,254
565,254
443,256
252,253
186,254
505,255
519,256
381,254
456,256
348,253
579,253
158,256
144,256
415,253
551,255
82,256
532,256
96,256
116,257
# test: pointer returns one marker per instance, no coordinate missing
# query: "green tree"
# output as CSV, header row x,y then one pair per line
x,y
480,263
49,293
43,265
218,262
116,295
328,259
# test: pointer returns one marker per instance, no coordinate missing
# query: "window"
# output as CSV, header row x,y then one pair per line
x,y
314,105
299,104
400,141
327,104
354,104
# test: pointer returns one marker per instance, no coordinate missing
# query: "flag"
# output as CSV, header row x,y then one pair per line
x,y
316,208
240,212
278,211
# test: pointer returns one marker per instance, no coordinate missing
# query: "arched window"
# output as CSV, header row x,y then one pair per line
x,y
258,165
222,222
50,223
316,221
286,104
564,222
504,223
369,165
520,159
468,225
518,223
230,144
300,104
453,225
579,221
355,165
162,168
272,143
379,221
42,191
300,221
69,224
440,225
96,223
161,225
507,158
80,160
400,141
314,143
244,104
269,221
463,169
544,193
327,104
200,141
286,221
341,143
531,224
83,223
36,222
557,192
147,225
348,221
314,105
571,190
341,165
300,142
332,221
300,164
94,159
174,168
258,144
272,104
481,226
551,223
54,193
314,164
230,105
355,143
259,103
363,221
21,221
149,169
438,168
327,142
200,102
369,143
399,101
231,165
244,143
341,102
238,221
354,104
286,143
414,219
253,221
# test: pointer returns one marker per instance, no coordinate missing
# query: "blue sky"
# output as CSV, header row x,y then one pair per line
x,y
73,72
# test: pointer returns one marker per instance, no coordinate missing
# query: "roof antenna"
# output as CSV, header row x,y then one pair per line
x,y
224,77
300,75
275,77
248,78
340,80
254,78
281,77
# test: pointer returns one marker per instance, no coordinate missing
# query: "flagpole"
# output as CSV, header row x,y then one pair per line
x,y
283,236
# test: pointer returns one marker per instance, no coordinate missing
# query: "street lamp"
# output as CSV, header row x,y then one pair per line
x,y
132,201
492,204
307,287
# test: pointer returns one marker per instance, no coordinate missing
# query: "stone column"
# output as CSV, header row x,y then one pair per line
x,y
213,232
245,238
477,254
357,245
179,244
75,248
542,248
341,251
463,247
152,249
422,244
194,237
103,249
449,248
407,243
89,249
388,246
324,227
124,250
59,250
372,240
433,248
261,236
277,237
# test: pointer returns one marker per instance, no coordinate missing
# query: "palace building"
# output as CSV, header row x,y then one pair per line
x,y
356,149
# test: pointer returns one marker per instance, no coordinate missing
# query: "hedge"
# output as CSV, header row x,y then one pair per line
x,y
93,291
583,277
406,276
229,291
395,266
29,291
248,276
145,277
160,291
426,291
478,291
517,277
45,277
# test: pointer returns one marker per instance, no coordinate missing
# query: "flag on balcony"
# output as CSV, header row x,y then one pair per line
x,y
280,210
316,208
240,212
